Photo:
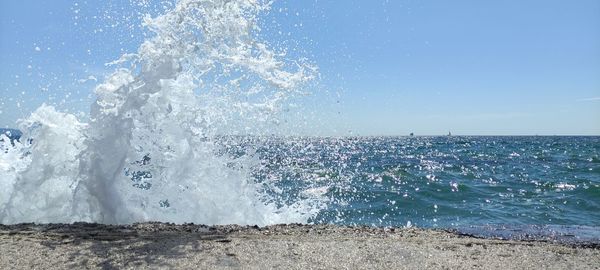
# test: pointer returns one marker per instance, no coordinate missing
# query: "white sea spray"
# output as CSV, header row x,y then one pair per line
x,y
149,150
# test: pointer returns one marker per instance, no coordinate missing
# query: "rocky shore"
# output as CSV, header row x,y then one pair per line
x,y
188,246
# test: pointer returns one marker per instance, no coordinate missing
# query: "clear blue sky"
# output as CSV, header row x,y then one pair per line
x,y
388,67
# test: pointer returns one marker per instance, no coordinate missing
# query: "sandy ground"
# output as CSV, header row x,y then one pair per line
x,y
165,246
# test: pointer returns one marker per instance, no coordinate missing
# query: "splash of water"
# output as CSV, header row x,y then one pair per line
x,y
150,150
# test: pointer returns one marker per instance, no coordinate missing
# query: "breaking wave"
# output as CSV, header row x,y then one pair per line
x,y
152,148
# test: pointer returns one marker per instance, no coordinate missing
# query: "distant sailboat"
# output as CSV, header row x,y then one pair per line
x,y
449,134
412,134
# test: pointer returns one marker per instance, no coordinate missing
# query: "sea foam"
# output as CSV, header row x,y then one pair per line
x,y
150,150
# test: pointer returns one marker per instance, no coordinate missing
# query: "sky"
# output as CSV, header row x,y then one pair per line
x,y
386,67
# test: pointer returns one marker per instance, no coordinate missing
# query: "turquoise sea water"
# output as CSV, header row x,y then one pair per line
x,y
443,182
510,187
439,181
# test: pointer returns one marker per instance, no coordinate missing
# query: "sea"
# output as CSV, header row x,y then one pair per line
x,y
441,181
509,187
428,181
181,132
